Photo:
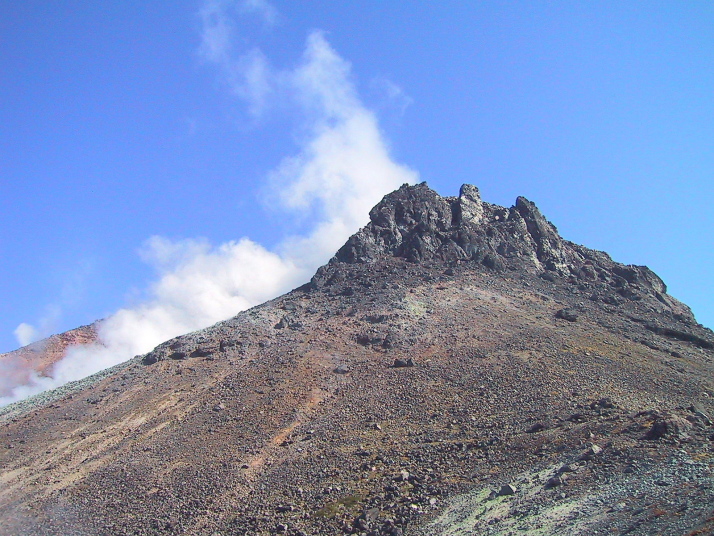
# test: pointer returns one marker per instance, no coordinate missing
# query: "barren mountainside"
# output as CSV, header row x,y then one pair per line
x,y
41,356
456,369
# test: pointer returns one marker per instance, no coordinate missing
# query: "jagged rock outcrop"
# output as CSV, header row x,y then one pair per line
x,y
417,224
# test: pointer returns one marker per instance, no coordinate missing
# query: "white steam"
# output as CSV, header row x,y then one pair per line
x,y
342,169
46,326
264,9
26,334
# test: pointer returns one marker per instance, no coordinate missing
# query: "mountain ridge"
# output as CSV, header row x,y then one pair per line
x,y
417,224
40,356
445,373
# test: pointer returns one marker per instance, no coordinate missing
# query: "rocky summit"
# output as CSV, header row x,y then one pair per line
x,y
457,368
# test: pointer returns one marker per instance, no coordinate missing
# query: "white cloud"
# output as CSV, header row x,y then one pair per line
x,y
251,79
217,33
323,81
26,334
391,94
344,167
264,9
248,74
341,170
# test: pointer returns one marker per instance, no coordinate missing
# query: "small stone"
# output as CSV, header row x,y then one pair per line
x,y
341,369
371,515
567,314
367,519
554,482
537,427
548,276
668,426
494,262
591,452
605,403
506,489
570,468
699,412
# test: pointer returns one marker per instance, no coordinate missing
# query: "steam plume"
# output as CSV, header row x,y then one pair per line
x,y
342,169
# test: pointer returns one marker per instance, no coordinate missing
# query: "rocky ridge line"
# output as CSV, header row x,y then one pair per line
x,y
417,224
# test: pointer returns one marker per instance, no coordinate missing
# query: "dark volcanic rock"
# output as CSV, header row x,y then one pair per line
x,y
567,314
416,224
669,426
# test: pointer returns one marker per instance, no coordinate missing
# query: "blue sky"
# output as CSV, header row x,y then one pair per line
x,y
120,123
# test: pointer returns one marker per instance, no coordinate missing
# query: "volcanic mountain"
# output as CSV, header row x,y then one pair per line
x,y
457,368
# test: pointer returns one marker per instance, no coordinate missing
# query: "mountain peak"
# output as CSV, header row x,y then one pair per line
x,y
441,375
418,225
